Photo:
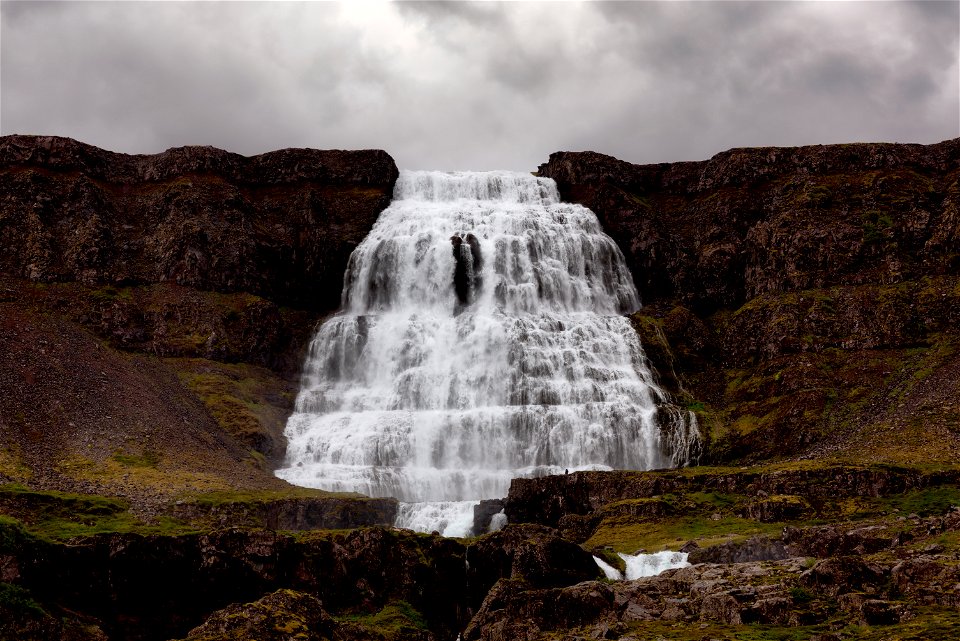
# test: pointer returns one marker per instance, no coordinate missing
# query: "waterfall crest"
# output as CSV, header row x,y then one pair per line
x,y
481,337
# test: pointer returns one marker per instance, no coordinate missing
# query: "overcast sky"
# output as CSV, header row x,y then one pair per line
x,y
481,86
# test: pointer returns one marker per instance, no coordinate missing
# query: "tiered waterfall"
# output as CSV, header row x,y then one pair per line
x,y
481,337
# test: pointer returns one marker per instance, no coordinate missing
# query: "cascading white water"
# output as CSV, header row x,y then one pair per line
x,y
481,338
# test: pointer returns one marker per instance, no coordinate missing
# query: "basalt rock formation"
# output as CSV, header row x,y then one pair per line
x,y
804,299
156,308
135,587
280,225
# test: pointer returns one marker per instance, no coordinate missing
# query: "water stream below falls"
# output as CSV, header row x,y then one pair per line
x,y
481,337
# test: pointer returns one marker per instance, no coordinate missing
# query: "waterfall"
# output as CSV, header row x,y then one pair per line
x,y
481,337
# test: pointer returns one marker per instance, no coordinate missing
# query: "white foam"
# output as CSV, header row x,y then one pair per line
x,y
449,518
641,565
608,570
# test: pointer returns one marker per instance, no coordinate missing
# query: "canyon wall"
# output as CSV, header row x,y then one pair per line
x,y
808,296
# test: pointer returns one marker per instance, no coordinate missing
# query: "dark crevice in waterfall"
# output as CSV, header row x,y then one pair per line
x,y
466,274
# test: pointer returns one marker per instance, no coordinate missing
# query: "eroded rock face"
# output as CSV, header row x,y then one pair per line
x,y
548,500
279,225
782,286
750,221
194,253
156,587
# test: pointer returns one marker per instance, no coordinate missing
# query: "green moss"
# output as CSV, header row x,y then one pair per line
x,y
19,602
395,620
110,294
248,402
60,516
147,458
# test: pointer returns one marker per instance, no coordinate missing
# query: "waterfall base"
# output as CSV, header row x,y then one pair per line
x,y
449,518
643,565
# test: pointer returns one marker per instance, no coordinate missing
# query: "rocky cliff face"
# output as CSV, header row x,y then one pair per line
x,y
156,308
748,222
280,225
794,289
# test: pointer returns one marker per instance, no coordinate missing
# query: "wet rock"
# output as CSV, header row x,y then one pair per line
x,y
483,513
534,553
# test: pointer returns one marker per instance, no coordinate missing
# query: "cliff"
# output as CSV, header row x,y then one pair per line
x,y
156,308
803,300
280,225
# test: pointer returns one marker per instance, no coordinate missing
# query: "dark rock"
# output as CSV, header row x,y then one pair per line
x,y
837,540
775,280
275,617
483,513
840,575
720,607
690,547
777,508
872,611
534,553
704,232
757,548
512,611
154,587
324,513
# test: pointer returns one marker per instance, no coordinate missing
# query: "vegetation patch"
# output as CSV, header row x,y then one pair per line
x,y
19,602
248,402
627,535
59,516
147,458
395,620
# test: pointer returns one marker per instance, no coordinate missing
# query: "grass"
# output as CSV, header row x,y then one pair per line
x,y
60,516
625,534
135,469
394,621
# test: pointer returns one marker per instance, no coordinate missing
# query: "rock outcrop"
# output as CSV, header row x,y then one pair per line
x,y
718,233
157,587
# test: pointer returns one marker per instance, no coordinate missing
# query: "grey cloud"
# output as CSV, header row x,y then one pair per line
x,y
485,85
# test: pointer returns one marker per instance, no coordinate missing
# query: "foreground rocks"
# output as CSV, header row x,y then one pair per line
x,y
875,565
150,587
